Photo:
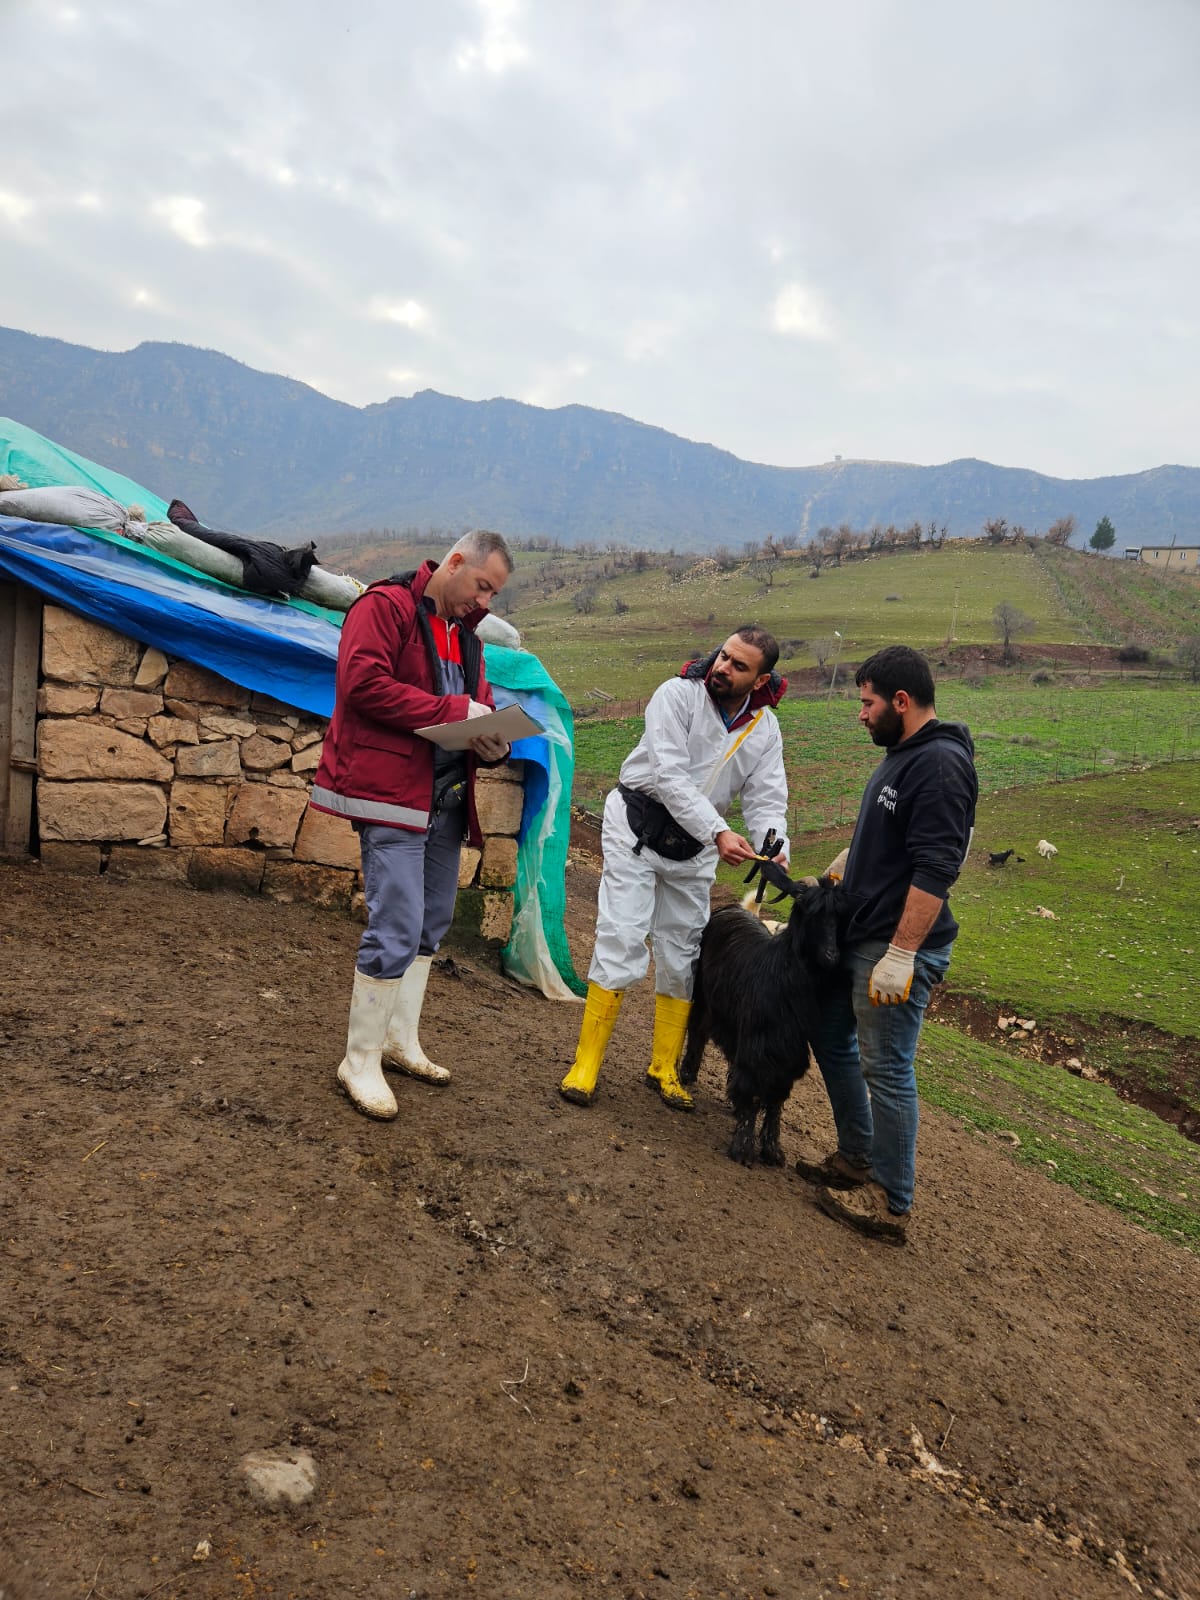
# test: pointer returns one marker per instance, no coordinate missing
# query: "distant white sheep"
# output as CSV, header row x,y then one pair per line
x,y
1046,849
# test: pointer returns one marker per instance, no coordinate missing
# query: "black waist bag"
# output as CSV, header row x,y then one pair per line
x,y
653,825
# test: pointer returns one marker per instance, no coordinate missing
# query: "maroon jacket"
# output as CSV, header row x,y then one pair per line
x,y
373,767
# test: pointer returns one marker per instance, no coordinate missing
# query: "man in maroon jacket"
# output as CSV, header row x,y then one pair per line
x,y
408,659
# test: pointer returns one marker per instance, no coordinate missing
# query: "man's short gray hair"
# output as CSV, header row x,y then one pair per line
x,y
481,544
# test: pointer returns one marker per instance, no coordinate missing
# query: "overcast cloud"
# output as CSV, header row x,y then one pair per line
x,y
896,229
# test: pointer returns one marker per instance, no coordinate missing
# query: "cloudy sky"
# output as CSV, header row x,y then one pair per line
x,y
897,229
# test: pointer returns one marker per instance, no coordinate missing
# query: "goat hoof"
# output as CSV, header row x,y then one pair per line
x,y
772,1156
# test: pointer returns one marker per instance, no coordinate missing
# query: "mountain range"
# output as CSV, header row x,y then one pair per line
x,y
271,456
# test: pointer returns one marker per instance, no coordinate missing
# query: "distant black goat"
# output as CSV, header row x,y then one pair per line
x,y
997,858
756,995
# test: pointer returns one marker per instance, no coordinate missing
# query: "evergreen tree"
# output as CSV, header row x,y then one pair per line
x,y
1105,535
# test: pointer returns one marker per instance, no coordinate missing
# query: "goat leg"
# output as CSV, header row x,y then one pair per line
x,y
697,1039
769,1148
741,1146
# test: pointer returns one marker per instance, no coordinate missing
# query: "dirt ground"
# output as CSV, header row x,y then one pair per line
x,y
534,1350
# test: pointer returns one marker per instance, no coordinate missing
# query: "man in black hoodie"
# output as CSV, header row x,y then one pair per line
x,y
912,835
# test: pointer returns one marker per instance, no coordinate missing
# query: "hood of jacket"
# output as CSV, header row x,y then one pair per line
x,y
950,732
771,693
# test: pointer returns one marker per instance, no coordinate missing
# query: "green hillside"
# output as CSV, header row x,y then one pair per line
x,y
639,625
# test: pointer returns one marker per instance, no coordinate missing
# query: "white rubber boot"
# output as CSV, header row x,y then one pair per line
x,y
361,1071
403,1052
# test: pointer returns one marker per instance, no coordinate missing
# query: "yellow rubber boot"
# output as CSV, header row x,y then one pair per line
x,y
670,1027
599,1018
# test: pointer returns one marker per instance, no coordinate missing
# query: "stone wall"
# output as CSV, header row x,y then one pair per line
x,y
150,767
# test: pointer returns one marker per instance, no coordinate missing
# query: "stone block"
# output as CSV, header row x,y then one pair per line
x,y
188,710
507,772
185,681
264,755
209,760
331,841
239,870
83,859
265,816
130,703
102,811
498,805
66,700
305,881
309,759
303,737
134,726
222,727
197,811
68,749
286,780
273,708
499,866
148,865
468,865
483,914
152,669
496,922
75,650
172,730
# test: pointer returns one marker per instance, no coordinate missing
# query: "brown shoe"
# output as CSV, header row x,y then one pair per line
x,y
835,1172
866,1210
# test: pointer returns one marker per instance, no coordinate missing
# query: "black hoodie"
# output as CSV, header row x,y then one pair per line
x,y
914,827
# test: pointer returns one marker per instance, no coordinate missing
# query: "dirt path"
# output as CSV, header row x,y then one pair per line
x,y
534,1351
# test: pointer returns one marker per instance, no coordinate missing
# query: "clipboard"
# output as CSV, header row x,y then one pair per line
x,y
512,724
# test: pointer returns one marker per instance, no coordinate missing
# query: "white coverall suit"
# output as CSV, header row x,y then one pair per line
x,y
689,760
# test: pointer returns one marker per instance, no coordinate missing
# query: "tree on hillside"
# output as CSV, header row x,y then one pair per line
x,y
1010,623
1105,535
995,530
1187,653
1059,533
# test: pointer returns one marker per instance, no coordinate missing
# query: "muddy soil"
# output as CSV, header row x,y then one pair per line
x,y
534,1350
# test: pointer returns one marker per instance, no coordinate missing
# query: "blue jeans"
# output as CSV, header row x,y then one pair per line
x,y
866,1056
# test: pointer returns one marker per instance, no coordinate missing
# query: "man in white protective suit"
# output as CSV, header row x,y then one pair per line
x,y
711,735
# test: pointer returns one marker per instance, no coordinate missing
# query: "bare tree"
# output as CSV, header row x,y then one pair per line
x,y
1187,653
995,530
1059,533
584,601
1010,623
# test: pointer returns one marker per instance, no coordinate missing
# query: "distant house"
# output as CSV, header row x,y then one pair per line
x,y
1168,557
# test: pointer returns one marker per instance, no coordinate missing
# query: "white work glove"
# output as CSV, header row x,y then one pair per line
x,y
891,977
837,867
476,708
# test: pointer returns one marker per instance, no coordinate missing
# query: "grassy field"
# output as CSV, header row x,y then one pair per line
x,y
1024,735
1123,937
1075,1132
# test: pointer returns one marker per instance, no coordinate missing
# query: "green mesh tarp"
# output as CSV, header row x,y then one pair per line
x,y
537,952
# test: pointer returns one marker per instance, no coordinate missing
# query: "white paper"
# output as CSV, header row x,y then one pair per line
x,y
512,724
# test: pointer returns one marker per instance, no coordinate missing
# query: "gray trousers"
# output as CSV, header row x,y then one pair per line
x,y
410,881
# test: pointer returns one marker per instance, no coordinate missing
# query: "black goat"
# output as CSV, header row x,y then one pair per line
x,y
756,995
997,858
